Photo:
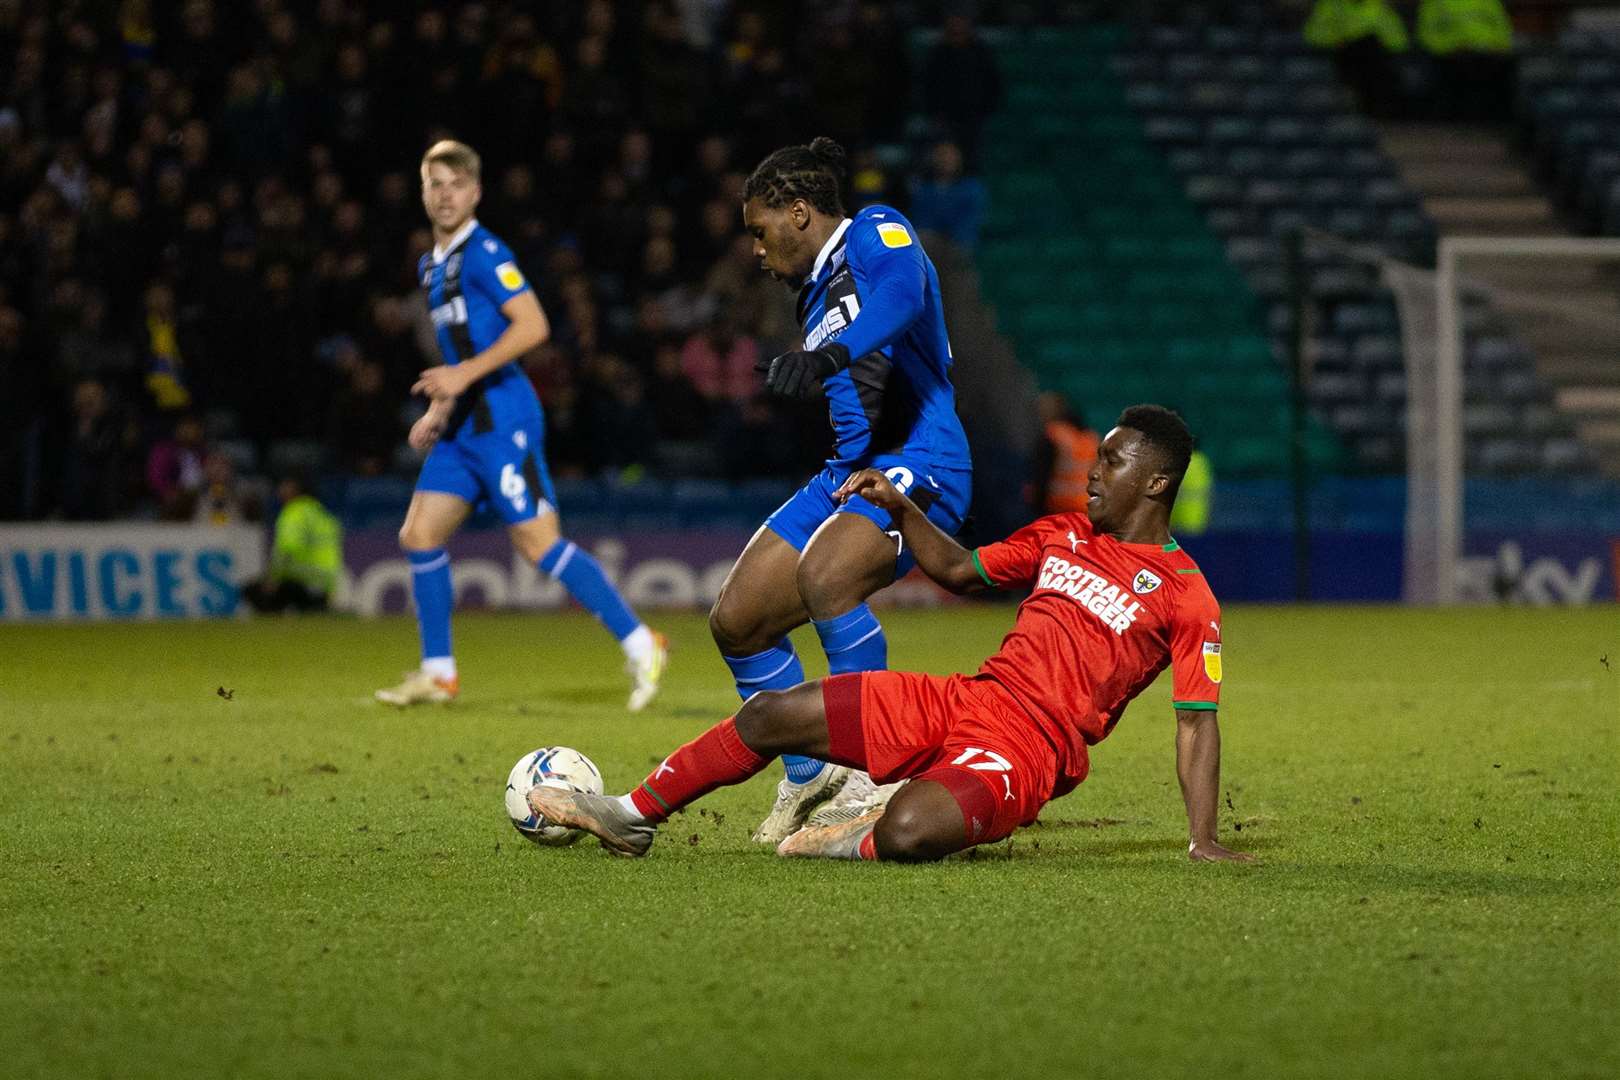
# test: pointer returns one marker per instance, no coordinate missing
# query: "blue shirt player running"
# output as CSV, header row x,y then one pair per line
x,y
874,347
487,437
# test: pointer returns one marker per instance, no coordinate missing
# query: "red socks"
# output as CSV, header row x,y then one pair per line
x,y
714,759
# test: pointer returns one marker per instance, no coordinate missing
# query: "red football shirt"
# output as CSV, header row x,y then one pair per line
x,y
1103,618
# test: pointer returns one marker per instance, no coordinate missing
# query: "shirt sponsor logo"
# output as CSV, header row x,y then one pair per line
x,y
1212,660
833,323
1091,591
893,235
489,246
451,313
1145,582
509,275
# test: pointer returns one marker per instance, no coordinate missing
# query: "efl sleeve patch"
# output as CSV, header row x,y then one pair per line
x,y
894,235
1212,661
509,275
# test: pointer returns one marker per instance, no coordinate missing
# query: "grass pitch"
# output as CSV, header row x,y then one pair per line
x,y
220,858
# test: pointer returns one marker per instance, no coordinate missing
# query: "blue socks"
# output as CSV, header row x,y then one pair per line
x,y
430,587
776,668
582,576
854,641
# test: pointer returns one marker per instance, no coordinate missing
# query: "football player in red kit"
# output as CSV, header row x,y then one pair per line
x,y
1112,601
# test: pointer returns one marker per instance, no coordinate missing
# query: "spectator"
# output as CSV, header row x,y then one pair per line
x,y
174,469
617,415
362,426
89,348
165,366
221,500
720,362
962,84
948,203
752,445
680,411
95,461
674,78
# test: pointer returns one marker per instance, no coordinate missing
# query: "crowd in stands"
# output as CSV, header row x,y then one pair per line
x,y
210,224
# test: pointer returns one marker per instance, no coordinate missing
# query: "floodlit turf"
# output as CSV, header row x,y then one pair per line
x,y
221,859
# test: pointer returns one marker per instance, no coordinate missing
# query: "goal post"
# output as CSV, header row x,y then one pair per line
x,y
1435,530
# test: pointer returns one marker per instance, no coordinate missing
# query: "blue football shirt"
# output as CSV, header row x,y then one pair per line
x,y
465,289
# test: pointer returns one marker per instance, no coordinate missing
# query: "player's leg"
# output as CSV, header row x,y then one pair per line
x,y
852,556
758,604
847,560
769,724
978,768
430,521
921,822
539,540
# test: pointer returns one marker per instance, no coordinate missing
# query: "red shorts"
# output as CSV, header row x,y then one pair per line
x,y
964,733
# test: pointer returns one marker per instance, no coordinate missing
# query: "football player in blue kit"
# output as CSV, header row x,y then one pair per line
x,y
485,434
874,346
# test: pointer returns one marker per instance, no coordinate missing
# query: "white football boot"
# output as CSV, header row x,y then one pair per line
x,y
600,815
795,801
647,673
841,841
420,688
859,798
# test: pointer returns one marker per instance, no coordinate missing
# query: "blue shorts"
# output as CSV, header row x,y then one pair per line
x,y
503,470
942,495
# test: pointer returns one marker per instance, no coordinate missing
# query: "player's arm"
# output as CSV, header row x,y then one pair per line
x,y
891,262
526,327
940,557
1198,767
431,424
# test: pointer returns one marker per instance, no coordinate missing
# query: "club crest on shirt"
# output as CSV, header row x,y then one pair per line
x,y
1212,660
1145,582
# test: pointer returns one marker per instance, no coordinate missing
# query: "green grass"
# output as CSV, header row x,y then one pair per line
x,y
298,883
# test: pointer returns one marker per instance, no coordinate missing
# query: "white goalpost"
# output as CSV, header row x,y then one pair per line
x,y
1434,524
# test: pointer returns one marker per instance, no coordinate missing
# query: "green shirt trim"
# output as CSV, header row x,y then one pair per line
x,y
979,566
1191,570
1196,706
1172,545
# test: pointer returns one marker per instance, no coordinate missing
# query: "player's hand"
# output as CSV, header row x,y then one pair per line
x,y
443,382
874,487
426,431
798,374
1210,851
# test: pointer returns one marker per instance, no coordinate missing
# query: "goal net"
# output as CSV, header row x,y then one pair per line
x,y
1510,351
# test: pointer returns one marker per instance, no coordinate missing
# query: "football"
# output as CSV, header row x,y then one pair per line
x,y
555,766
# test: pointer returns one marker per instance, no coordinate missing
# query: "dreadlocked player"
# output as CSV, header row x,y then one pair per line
x,y
875,348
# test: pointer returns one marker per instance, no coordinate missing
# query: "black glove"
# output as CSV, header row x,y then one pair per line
x,y
798,374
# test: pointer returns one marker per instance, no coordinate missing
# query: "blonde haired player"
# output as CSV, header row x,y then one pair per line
x,y
485,436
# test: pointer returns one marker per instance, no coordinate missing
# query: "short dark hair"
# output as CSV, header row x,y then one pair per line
x,y
813,172
1167,432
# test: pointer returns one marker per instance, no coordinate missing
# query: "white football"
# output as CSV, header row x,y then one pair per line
x,y
553,766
